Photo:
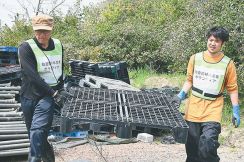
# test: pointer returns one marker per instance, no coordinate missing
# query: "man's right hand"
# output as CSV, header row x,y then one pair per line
x,y
178,98
61,96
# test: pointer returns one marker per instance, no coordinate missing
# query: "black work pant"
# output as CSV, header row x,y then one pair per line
x,y
202,142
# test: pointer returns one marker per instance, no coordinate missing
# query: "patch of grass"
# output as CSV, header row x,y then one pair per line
x,y
221,139
139,76
176,79
227,113
67,70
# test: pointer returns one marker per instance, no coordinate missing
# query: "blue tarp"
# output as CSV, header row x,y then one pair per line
x,y
8,49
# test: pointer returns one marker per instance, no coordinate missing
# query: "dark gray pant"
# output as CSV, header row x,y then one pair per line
x,y
38,119
202,142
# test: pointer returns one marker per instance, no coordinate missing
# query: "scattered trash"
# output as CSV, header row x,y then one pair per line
x,y
55,136
112,140
69,142
168,139
145,137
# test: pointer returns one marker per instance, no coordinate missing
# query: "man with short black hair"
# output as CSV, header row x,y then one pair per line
x,y
41,60
208,74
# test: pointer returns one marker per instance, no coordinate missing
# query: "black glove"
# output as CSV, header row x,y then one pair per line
x,y
61,96
176,100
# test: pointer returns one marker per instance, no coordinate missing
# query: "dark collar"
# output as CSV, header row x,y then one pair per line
x,y
50,44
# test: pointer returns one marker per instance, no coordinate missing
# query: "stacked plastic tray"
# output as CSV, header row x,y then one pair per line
x,y
80,68
112,70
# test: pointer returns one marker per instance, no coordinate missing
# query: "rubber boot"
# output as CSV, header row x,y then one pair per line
x,y
49,154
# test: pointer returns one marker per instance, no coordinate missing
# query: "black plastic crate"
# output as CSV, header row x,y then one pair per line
x,y
80,68
108,71
112,70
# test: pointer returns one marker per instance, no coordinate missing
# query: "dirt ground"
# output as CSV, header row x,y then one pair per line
x,y
231,150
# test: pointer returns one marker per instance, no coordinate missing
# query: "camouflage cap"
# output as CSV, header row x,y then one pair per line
x,y
42,22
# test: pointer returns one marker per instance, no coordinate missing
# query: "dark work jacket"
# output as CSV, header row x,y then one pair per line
x,y
33,86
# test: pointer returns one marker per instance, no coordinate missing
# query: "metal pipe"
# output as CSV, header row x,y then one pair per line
x,y
12,122
5,84
13,136
9,92
14,152
14,146
6,110
10,105
8,101
14,141
10,119
10,88
13,127
13,131
9,114
7,95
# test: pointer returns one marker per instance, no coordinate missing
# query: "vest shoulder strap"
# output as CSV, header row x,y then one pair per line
x,y
31,41
226,59
198,56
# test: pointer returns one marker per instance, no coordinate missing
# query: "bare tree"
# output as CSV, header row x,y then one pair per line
x,y
31,7
56,6
38,7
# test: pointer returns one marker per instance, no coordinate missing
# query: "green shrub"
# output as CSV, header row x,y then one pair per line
x,y
159,34
14,36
